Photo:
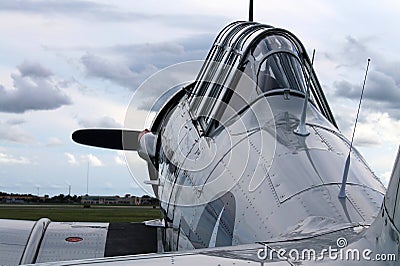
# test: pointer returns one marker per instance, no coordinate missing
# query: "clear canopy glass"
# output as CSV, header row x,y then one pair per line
x,y
275,64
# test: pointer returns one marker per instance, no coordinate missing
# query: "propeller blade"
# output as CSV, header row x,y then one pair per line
x,y
117,139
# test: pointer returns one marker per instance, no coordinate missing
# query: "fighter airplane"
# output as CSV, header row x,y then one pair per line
x,y
248,163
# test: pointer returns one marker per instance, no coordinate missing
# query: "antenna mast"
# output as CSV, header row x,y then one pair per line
x,y
251,11
301,129
342,193
87,178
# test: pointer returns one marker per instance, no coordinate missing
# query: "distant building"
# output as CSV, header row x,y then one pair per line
x,y
86,200
20,198
117,200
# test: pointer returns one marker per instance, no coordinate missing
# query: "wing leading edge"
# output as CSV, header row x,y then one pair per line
x,y
28,242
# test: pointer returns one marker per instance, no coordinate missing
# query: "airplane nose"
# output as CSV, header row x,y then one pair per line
x,y
147,144
145,131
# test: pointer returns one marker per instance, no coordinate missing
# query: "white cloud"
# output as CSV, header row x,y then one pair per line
x,y
16,121
93,160
378,128
10,159
84,159
71,159
385,177
377,136
54,142
119,159
34,89
119,72
102,122
12,131
367,136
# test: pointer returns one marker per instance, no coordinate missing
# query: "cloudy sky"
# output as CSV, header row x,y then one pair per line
x,y
69,64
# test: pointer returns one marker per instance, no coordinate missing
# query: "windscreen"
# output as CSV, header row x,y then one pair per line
x,y
275,64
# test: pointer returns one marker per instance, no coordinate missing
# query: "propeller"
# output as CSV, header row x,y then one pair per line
x,y
117,139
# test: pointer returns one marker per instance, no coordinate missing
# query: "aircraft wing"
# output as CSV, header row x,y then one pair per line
x,y
279,252
233,255
332,248
25,242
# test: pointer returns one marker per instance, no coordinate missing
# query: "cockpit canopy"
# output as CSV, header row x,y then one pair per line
x,y
275,64
250,60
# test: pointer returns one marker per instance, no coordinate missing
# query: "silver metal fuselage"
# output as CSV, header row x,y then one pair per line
x,y
295,191
252,178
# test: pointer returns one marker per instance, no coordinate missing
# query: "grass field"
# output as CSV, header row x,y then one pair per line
x,y
76,213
